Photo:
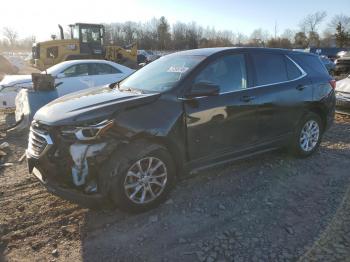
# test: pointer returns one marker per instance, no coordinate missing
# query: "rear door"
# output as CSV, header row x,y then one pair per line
x,y
74,78
283,92
219,125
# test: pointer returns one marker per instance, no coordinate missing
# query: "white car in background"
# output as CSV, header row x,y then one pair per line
x,y
70,76
342,95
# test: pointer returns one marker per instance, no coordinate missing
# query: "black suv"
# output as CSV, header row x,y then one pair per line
x,y
182,113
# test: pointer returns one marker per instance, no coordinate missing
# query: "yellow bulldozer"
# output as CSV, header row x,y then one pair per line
x,y
86,42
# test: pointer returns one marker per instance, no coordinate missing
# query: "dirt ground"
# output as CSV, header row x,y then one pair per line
x,y
14,64
272,207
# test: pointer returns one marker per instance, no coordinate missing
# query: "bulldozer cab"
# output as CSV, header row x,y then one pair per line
x,y
90,37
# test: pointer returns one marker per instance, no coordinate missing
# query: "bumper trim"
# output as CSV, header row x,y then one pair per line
x,y
70,194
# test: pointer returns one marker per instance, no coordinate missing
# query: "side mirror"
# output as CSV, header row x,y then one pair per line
x,y
204,89
60,75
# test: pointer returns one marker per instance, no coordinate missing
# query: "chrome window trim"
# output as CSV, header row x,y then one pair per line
x,y
47,147
303,74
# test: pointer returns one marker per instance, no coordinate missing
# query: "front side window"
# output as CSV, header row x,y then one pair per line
x,y
163,74
270,68
76,70
229,72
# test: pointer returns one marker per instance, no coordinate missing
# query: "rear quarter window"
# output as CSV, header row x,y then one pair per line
x,y
292,70
310,63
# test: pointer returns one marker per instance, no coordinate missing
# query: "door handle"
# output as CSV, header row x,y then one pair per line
x,y
300,87
247,98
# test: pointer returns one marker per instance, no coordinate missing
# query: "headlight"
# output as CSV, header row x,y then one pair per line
x,y
86,133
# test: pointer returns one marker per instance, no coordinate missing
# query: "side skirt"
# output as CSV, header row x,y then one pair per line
x,y
193,169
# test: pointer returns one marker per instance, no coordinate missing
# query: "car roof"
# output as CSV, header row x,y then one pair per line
x,y
215,50
89,61
63,65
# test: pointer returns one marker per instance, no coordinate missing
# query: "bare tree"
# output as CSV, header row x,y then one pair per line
x,y
259,37
312,21
288,34
179,36
240,39
11,35
342,19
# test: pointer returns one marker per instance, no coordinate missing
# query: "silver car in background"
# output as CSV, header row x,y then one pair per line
x,y
342,93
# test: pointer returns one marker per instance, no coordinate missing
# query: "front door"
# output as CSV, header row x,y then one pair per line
x,y
218,125
74,78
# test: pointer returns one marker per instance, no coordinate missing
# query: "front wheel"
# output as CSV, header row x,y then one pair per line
x,y
143,174
307,136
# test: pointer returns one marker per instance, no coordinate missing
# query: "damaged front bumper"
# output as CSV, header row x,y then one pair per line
x,y
65,192
70,170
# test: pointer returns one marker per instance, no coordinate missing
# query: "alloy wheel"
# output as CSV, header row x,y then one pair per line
x,y
309,136
145,180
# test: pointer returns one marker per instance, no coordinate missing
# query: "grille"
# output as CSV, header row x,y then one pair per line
x,y
39,141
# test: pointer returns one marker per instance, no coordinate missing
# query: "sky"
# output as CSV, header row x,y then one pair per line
x,y
41,17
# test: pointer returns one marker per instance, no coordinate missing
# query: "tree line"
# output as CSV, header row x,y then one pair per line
x,y
159,34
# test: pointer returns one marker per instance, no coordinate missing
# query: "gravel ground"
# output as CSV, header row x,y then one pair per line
x,y
268,208
334,243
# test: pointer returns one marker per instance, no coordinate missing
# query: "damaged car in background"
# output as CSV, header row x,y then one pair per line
x,y
342,94
128,142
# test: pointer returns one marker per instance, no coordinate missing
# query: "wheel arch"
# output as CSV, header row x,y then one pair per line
x,y
320,112
177,154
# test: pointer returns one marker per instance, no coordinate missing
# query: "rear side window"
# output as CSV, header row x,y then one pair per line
x,y
310,63
292,70
103,69
270,68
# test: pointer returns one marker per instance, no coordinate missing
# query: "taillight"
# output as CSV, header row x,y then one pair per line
x,y
333,83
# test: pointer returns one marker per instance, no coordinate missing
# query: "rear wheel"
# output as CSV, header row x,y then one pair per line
x,y
144,174
307,136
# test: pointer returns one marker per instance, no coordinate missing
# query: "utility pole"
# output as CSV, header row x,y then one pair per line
x,y
276,29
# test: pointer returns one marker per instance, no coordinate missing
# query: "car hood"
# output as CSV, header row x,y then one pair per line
x,y
90,105
343,85
10,80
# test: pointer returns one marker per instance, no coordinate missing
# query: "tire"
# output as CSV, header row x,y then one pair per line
x,y
129,184
308,135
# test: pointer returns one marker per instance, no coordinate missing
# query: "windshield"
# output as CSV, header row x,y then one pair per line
x,y
162,74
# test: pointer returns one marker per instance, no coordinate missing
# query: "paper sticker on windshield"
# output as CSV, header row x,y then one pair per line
x,y
177,69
